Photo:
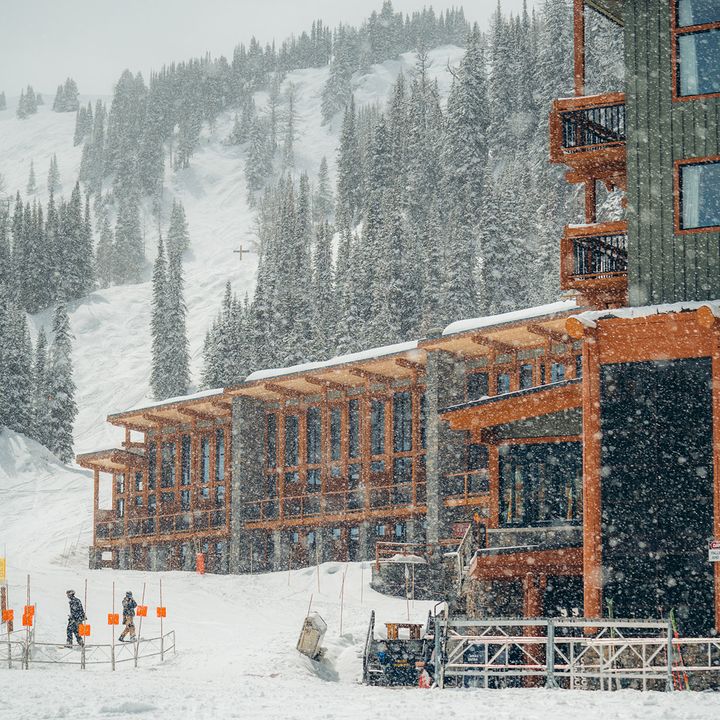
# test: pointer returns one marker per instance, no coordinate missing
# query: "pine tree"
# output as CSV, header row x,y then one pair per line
x,y
291,119
323,197
129,247
53,179
41,407
104,255
259,161
21,110
3,101
31,185
159,326
178,237
349,171
62,409
178,371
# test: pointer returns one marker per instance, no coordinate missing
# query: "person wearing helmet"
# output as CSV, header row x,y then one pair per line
x,y
76,616
128,605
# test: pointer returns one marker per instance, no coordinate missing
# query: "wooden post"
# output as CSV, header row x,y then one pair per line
x,y
342,599
579,46
716,455
112,631
592,488
162,635
590,201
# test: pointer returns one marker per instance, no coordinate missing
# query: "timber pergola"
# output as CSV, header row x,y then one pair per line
x,y
211,405
112,460
391,366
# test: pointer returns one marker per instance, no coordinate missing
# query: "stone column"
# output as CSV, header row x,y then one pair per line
x,y
248,438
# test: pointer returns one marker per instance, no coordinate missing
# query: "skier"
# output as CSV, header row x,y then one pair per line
x,y
129,606
77,616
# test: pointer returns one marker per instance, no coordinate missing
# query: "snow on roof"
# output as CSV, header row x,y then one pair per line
x,y
173,400
590,317
525,314
339,360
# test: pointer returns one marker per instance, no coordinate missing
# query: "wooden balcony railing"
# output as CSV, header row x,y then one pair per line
x,y
164,524
340,502
588,135
594,260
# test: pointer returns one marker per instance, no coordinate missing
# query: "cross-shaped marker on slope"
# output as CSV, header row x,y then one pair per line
x,y
241,251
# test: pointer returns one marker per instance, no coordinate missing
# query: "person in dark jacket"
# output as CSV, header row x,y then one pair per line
x,y
76,616
129,606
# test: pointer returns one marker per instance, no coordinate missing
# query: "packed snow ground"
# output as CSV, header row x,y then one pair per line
x,y
236,635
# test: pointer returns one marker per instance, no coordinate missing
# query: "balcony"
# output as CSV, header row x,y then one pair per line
x,y
588,135
594,262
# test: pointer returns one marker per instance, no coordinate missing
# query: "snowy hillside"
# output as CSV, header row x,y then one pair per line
x,y
112,327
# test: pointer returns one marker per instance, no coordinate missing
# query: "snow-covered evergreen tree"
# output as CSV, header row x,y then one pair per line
x,y
31,188
178,237
62,409
53,178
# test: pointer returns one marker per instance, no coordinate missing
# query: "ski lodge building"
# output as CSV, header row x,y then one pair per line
x,y
583,437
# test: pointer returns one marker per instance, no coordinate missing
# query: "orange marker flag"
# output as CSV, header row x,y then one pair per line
x,y
113,619
161,612
8,615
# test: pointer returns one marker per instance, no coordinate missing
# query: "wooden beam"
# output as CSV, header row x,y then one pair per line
x,y
285,392
410,364
196,414
501,347
579,46
329,384
557,336
158,419
373,376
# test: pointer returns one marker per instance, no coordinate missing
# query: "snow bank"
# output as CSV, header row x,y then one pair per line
x,y
517,316
590,318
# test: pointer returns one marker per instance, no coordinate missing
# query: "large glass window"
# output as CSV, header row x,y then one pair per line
x,y
314,432
185,460
700,194
271,446
205,460
503,383
477,386
292,443
526,376
697,38
402,422
698,12
335,433
168,465
557,372
313,480
354,428
152,460
377,427
219,456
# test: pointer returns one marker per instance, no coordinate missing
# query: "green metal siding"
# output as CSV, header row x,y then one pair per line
x,y
663,267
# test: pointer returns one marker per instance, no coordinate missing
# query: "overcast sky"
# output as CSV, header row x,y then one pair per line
x,y
44,41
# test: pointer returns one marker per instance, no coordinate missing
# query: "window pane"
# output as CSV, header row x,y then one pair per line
x,y
185,461
377,427
526,377
313,480
185,500
291,440
503,383
354,429
698,12
402,470
138,481
477,386
557,372
402,422
168,465
271,442
313,435
152,459
219,456
700,193
335,433
477,457
205,460
699,63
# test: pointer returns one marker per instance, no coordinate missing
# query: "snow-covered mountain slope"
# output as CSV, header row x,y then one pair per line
x,y
112,327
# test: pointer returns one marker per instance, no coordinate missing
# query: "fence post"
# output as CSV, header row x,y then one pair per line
x,y
82,656
112,657
669,685
438,652
550,654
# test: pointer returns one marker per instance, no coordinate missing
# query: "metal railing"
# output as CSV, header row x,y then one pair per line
x,y
26,653
600,256
575,653
391,551
593,126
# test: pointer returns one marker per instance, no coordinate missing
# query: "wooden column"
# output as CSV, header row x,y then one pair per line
x,y
494,482
579,46
96,502
592,489
716,456
590,201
